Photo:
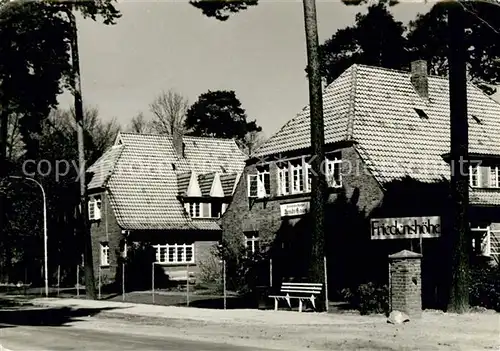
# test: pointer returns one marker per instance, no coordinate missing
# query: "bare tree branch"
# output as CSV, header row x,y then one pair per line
x,y
169,109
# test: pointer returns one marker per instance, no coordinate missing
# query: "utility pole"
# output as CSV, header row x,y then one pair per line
x,y
84,219
458,239
316,268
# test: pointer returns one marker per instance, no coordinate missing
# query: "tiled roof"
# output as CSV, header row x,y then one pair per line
x,y
143,183
207,155
375,107
183,182
228,181
102,168
205,182
484,197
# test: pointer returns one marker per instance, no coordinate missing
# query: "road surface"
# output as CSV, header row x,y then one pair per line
x,y
96,334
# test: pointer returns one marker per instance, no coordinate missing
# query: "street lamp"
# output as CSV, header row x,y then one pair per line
x,y
46,269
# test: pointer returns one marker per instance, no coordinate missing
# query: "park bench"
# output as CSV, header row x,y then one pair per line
x,y
299,291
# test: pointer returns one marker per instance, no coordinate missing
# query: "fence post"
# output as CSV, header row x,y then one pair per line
x,y
224,281
99,283
326,284
78,281
270,272
58,279
153,281
123,281
187,285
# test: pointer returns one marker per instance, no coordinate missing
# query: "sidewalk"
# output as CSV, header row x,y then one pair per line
x,y
234,316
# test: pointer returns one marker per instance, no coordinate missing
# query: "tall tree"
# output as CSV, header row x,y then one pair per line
x,y
37,39
428,35
222,9
169,109
139,124
219,114
375,39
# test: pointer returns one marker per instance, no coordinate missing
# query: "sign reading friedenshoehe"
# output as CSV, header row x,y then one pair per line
x,y
406,228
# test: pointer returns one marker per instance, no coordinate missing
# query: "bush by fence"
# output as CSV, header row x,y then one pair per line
x,y
484,289
368,298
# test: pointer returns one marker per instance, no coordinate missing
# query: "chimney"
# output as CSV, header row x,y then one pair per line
x,y
419,78
179,146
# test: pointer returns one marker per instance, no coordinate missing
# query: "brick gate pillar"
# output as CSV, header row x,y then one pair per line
x,y
405,292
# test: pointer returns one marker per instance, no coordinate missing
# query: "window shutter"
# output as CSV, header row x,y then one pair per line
x,y
252,185
97,207
261,188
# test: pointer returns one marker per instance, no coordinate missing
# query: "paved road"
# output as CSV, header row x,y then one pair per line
x,y
91,334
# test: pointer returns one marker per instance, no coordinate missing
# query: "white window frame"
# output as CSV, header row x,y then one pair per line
x,y
330,165
192,209
490,242
104,255
471,176
284,180
297,178
494,176
165,259
250,239
308,173
259,178
94,208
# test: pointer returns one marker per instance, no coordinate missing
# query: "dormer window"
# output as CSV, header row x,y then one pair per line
x,y
94,205
297,176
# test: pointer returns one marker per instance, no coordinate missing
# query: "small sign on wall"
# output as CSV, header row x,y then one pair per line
x,y
405,228
294,209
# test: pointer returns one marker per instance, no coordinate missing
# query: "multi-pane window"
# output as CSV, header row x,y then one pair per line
x,y
494,172
283,180
252,242
309,176
95,207
104,254
297,177
474,176
174,253
195,209
259,185
333,170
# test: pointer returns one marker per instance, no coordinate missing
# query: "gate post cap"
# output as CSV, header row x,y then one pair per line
x,y
405,254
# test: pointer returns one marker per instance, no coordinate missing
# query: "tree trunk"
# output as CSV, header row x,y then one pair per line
x,y
4,125
316,268
84,220
458,239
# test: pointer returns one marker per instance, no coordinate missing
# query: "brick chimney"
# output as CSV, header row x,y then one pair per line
x,y
178,143
419,78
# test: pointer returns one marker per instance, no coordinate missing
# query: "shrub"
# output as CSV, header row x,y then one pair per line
x,y
368,298
211,269
484,288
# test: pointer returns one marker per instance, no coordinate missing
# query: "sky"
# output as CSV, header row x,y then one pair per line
x,y
259,53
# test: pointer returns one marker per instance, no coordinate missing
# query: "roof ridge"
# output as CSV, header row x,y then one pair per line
x,y
395,70
352,102
112,170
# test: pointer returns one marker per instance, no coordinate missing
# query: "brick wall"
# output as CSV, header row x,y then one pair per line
x,y
106,230
405,289
264,216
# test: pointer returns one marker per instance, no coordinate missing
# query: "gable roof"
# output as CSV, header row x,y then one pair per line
x,y
375,108
103,167
147,175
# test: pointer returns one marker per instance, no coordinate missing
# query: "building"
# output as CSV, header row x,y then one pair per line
x,y
387,136
167,192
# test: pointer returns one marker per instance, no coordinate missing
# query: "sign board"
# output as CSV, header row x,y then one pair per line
x,y
405,228
294,209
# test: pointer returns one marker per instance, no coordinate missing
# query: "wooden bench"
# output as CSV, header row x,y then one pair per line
x,y
300,291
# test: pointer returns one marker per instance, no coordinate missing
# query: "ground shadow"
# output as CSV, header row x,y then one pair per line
x,y
13,313
232,303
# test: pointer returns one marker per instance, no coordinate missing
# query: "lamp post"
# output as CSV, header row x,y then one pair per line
x,y
46,269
